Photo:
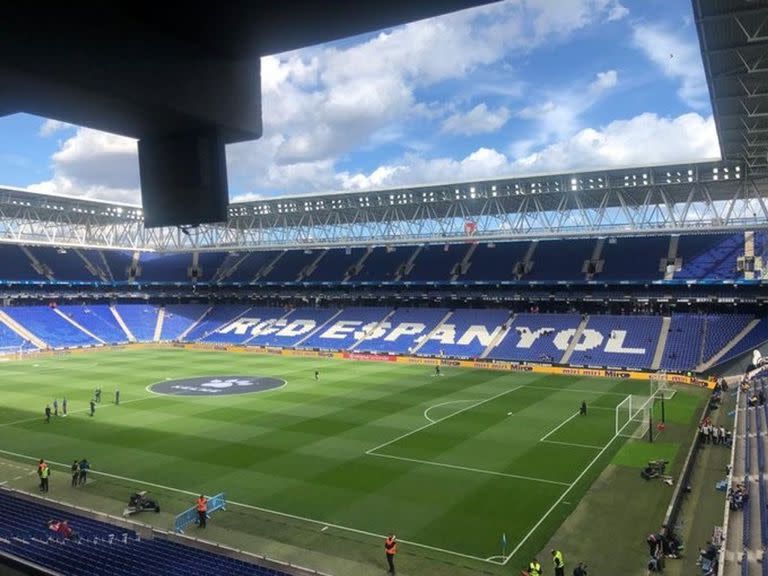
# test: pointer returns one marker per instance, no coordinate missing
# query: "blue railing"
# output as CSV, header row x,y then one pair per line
x,y
189,516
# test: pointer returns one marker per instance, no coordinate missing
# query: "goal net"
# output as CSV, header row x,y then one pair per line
x,y
660,386
633,416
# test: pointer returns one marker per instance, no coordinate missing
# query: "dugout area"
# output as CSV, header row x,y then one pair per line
x,y
318,470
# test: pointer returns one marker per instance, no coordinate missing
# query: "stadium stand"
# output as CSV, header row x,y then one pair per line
x,y
618,341
241,331
65,264
405,329
45,323
684,342
491,261
105,549
751,341
16,264
290,265
557,260
220,315
335,264
465,334
531,338
434,263
250,266
11,342
709,256
180,317
720,330
118,262
208,264
633,259
382,264
97,319
140,319
165,267
346,329
294,328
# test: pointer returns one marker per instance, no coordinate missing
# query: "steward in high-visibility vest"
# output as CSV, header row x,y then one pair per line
x,y
557,559
202,510
390,547
45,472
534,568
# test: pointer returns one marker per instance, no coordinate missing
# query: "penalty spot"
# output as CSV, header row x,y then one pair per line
x,y
509,413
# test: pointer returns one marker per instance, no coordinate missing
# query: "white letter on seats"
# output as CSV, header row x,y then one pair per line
x,y
615,345
341,329
405,329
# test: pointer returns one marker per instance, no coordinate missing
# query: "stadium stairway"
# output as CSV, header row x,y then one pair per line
x,y
658,356
575,340
318,328
123,325
429,334
159,324
373,331
22,331
194,324
506,327
707,364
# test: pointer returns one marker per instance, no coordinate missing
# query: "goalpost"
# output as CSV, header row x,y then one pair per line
x,y
660,387
633,416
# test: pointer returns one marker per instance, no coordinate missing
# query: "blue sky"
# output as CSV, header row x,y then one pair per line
x,y
513,88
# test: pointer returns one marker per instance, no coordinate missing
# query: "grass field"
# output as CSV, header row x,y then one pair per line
x,y
450,463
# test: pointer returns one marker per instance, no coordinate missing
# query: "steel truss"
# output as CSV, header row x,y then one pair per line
x,y
660,199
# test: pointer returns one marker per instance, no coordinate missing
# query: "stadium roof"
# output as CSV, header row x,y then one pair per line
x,y
734,45
659,199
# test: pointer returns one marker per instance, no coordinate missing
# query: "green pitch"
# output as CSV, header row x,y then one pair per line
x,y
449,463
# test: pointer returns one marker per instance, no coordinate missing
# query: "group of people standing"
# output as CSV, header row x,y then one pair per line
x,y
91,404
79,473
558,561
711,434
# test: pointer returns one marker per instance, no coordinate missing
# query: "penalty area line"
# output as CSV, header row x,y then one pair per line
x,y
258,509
426,412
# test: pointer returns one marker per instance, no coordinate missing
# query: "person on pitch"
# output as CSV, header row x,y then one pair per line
x,y
583,408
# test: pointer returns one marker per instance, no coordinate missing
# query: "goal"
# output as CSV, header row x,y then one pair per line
x,y
660,386
633,416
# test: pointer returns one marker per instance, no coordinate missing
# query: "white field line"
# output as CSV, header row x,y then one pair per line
x,y
556,428
259,509
426,412
468,469
419,429
562,496
579,390
593,446
98,406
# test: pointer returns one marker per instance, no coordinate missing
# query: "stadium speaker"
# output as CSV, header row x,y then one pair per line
x,y
183,179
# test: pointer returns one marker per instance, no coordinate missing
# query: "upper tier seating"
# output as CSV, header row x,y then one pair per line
x,y
534,338
465,334
346,329
435,262
618,341
97,319
179,317
251,265
294,328
560,259
65,264
165,267
119,262
410,326
497,261
46,324
141,320
241,331
709,256
290,265
382,264
208,264
104,549
335,264
683,350
16,265
633,258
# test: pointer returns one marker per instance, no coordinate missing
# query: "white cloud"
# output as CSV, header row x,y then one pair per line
x,y
643,140
478,120
678,58
50,127
95,164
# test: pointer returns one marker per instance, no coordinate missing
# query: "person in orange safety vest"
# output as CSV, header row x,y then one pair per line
x,y
202,510
390,547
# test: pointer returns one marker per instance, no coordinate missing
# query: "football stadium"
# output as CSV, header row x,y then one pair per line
x,y
550,374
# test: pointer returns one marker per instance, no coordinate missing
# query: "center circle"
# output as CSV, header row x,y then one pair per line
x,y
216,385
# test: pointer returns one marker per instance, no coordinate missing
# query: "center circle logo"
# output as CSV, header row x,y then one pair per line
x,y
216,385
